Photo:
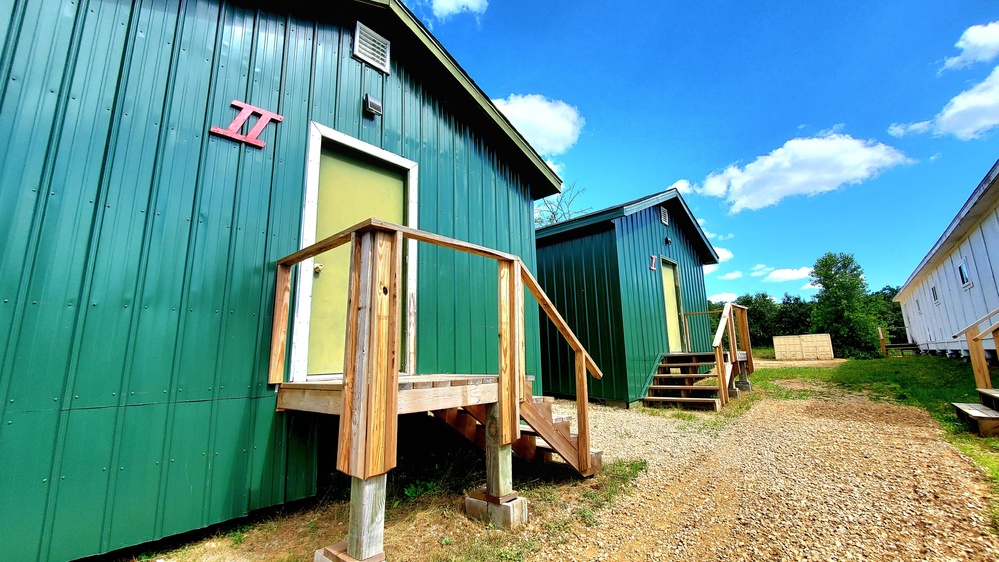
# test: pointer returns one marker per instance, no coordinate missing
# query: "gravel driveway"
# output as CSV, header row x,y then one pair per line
x,y
836,478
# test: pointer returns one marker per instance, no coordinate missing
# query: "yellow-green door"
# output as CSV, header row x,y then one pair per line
x,y
671,295
350,191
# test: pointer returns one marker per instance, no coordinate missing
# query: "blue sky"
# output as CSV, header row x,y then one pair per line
x,y
794,128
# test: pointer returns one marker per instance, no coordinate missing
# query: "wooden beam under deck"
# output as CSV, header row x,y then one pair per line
x,y
418,393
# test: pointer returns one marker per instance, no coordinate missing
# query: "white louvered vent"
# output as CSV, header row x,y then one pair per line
x,y
371,47
663,216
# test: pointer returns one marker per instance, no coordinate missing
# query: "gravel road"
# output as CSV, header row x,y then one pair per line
x,y
836,478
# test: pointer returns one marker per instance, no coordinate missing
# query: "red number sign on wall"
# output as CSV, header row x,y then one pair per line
x,y
245,111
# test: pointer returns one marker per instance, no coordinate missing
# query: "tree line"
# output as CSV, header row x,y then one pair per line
x,y
843,307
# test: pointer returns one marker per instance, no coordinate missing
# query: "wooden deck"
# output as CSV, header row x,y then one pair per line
x,y
417,393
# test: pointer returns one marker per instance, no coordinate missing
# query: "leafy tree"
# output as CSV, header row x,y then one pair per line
x,y
887,313
560,207
794,316
715,318
762,316
841,306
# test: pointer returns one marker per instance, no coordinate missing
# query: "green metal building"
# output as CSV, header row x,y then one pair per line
x,y
138,247
623,278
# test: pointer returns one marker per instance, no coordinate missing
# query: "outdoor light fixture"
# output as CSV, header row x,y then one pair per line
x,y
372,105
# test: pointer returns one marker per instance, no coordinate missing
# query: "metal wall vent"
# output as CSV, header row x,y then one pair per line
x,y
371,47
664,216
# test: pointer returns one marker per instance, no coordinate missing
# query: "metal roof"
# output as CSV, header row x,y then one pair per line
x,y
543,180
983,199
699,239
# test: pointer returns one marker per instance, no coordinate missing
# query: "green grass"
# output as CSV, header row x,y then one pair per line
x,y
764,353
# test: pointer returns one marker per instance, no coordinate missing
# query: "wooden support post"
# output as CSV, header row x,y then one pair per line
x,y
511,362
881,340
979,365
279,326
582,413
366,527
499,456
747,344
733,344
722,379
369,421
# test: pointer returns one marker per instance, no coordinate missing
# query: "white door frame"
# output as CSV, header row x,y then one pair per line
x,y
684,336
320,135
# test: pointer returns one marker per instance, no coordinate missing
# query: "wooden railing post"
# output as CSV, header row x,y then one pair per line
x,y
881,340
582,413
279,325
369,421
511,360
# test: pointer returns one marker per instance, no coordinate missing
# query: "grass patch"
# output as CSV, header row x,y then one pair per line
x,y
764,353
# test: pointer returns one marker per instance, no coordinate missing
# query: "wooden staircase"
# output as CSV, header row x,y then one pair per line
x,y
541,433
681,380
983,418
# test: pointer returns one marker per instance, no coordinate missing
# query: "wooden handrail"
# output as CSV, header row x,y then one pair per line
x,y
512,361
722,325
975,325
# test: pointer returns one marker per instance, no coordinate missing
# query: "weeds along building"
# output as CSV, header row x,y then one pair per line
x,y
157,158
625,279
956,283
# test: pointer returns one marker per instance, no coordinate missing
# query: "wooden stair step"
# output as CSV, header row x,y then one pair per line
x,y
714,403
682,387
984,420
684,375
977,411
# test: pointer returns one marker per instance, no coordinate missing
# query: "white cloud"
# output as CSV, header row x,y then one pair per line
x,y
444,9
935,157
968,115
683,186
723,254
710,268
810,286
978,43
557,167
713,235
803,166
723,297
781,275
759,270
731,275
551,126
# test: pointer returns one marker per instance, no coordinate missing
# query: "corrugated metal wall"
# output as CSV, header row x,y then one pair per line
x,y
640,236
137,258
932,324
580,275
601,282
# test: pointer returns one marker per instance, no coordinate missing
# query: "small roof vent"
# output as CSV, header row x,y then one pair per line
x,y
663,215
371,47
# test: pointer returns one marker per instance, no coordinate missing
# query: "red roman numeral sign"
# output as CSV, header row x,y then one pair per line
x,y
245,111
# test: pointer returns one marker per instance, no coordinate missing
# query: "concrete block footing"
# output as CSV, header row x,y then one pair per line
x,y
338,553
507,515
744,385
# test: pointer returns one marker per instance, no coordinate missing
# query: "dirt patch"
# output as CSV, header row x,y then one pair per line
x,y
830,479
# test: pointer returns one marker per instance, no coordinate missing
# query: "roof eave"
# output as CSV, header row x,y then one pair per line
x,y
982,196
544,180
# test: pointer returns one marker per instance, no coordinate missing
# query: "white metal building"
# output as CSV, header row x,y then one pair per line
x,y
956,283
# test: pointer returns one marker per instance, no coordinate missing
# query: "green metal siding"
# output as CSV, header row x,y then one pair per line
x,y
136,276
580,275
640,236
599,278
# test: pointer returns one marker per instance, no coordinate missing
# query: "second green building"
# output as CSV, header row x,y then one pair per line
x,y
625,278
